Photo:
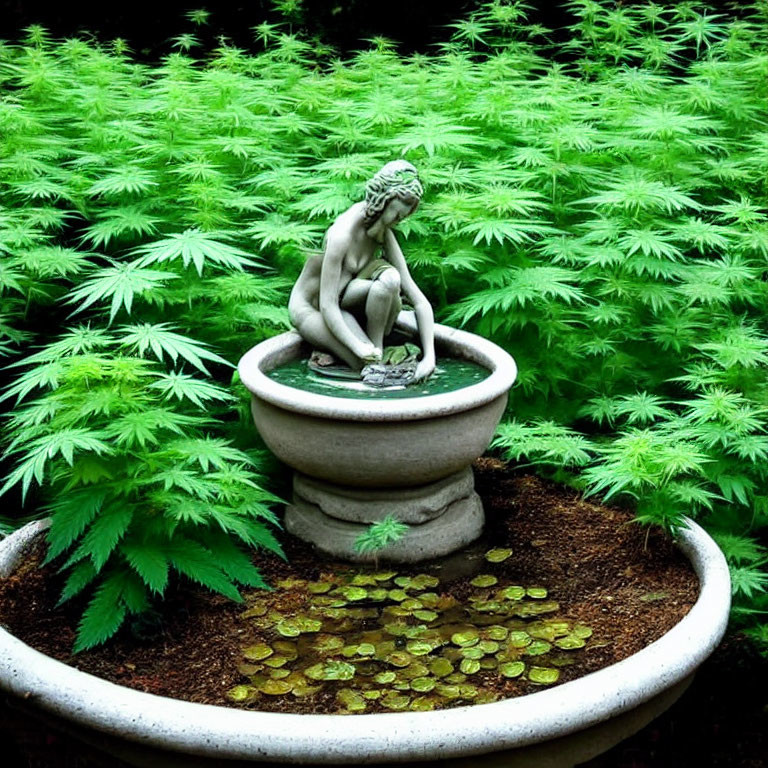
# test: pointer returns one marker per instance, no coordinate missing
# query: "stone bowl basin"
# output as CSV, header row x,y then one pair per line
x,y
553,728
379,443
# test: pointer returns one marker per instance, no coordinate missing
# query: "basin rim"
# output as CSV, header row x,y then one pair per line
x,y
279,349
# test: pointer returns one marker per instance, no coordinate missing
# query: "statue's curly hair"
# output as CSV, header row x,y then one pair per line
x,y
396,179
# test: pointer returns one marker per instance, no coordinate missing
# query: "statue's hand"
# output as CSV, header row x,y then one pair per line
x,y
424,369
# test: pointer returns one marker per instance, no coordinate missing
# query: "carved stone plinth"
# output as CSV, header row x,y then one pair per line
x,y
443,516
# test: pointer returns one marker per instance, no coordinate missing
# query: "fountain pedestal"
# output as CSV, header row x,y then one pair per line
x,y
443,516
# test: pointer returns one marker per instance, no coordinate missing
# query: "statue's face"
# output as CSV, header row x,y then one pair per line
x,y
397,209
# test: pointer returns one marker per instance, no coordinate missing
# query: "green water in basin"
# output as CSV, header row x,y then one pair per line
x,y
450,374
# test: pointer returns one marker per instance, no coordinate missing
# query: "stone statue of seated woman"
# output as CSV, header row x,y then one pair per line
x,y
347,299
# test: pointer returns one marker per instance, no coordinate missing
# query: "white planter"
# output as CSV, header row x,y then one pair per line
x,y
553,728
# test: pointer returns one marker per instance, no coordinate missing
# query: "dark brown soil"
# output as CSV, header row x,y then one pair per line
x,y
630,586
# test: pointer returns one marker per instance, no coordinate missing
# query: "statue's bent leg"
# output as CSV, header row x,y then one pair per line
x,y
380,312
312,329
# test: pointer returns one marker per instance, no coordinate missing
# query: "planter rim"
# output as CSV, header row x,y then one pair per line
x,y
226,733
474,347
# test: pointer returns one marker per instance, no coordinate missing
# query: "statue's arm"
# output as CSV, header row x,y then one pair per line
x,y
330,288
425,318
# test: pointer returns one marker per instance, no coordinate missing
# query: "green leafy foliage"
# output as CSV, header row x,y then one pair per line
x,y
597,207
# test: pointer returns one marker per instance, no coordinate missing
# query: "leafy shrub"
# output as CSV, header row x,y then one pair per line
x,y
597,207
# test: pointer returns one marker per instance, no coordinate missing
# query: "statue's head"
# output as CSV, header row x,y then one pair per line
x,y
396,180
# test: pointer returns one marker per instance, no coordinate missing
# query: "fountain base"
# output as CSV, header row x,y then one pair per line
x,y
443,516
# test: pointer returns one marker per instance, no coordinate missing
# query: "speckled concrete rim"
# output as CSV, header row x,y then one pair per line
x,y
220,732
280,349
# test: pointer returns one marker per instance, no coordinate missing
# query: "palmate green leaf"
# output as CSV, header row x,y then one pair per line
x,y
104,614
543,442
79,340
128,179
122,283
748,580
116,222
208,452
80,576
435,133
104,534
196,562
70,515
739,549
182,386
522,286
234,562
148,558
512,230
164,342
39,452
43,376
636,194
197,248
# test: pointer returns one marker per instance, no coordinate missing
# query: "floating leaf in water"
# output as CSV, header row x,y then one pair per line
x,y
422,704
307,625
366,649
276,661
469,666
291,583
275,687
518,639
411,604
570,643
424,581
354,593
582,631
448,691
430,599
279,674
468,692
288,628
384,575
319,587
538,593
425,615
351,700
488,646
497,632
396,701
398,595
440,667
543,675
385,678
512,593
497,555
257,652
399,659
242,693
331,670
258,608
373,694
363,580
466,638
484,580
474,652
456,677
537,648
418,647
403,581
422,684
378,594
512,668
